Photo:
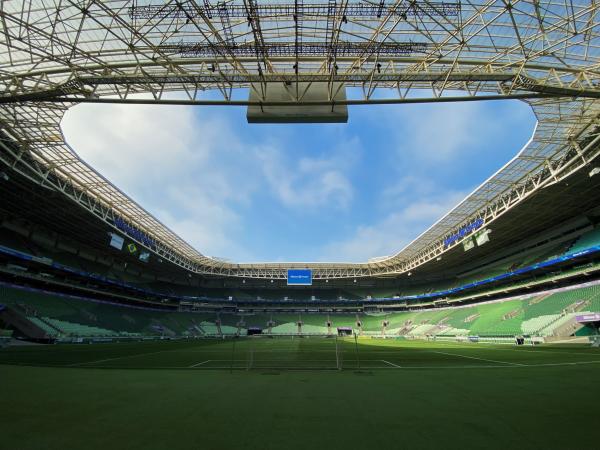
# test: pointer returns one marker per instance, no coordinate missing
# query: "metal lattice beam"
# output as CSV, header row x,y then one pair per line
x,y
55,54
362,10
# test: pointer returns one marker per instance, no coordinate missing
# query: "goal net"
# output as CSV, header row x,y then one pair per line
x,y
280,352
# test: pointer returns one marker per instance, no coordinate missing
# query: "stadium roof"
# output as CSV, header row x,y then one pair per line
x,y
57,54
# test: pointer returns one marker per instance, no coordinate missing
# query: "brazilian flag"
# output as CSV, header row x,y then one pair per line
x,y
132,248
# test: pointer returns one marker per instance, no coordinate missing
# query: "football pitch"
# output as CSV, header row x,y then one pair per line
x,y
286,393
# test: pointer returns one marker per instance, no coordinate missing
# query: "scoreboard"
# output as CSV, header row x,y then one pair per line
x,y
299,277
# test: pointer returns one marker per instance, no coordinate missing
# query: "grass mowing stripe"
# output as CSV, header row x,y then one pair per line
x,y
480,359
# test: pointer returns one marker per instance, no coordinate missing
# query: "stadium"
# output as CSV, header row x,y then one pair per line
x,y
482,332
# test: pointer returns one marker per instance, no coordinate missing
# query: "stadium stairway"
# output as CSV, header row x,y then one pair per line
x,y
47,324
566,325
537,324
27,326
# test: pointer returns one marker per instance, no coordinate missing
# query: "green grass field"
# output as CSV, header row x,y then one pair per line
x,y
289,394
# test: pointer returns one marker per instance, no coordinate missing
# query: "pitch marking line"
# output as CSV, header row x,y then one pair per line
x,y
514,348
503,365
576,363
391,364
585,353
199,364
480,359
118,357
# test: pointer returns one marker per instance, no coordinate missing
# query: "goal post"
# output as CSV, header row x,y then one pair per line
x,y
287,352
356,349
337,354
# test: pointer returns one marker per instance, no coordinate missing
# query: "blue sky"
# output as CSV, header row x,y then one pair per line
x,y
343,192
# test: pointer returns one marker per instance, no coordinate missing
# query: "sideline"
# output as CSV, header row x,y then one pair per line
x,y
114,359
479,359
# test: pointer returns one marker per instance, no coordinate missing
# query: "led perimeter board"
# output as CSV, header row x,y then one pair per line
x,y
299,277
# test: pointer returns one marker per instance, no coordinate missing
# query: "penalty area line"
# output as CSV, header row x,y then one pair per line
x,y
115,358
199,364
391,364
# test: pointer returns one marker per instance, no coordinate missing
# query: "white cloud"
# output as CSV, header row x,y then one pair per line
x,y
194,172
172,163
395,230
202,174
132,142
444,132
307,183
439,134
208,228
408,186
